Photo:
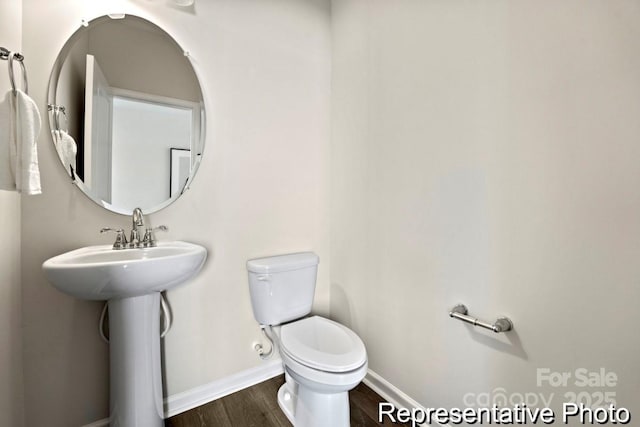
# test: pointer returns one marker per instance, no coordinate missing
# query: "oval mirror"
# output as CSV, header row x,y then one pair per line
x,y
126,113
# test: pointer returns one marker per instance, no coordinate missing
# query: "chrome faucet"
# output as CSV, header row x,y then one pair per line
x,y
138,221
148,240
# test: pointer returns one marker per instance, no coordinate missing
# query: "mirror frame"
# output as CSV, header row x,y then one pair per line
x,y
51,100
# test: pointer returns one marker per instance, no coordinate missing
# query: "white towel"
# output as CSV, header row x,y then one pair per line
x,y
67,150
27,125
19,128
7,144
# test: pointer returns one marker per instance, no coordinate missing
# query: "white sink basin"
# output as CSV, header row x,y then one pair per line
x,y
131,280
102,273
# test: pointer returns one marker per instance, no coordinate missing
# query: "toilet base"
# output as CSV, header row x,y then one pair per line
x,y
286,401
308,408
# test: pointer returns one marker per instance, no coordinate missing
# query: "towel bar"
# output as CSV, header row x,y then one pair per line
x,y
460,312
14,56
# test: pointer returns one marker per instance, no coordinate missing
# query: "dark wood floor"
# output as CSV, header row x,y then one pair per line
x,y
257,406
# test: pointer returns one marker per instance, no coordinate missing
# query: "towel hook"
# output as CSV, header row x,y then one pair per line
x,y
16,56
56,110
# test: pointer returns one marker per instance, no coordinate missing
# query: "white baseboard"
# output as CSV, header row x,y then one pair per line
x,y
391,393
181,402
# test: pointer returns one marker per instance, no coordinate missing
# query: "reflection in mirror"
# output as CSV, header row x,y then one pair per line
x,y
126,114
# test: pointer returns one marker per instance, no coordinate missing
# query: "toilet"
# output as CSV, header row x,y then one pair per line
x,y
322,359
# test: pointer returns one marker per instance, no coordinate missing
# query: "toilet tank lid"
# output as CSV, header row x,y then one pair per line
x,y
279,263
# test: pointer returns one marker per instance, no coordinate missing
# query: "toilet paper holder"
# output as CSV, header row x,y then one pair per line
x,y
460,312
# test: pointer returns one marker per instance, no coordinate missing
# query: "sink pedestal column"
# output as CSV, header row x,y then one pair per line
x,y
136,378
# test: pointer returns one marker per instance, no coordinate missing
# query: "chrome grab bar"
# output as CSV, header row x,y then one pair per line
x,y
460,312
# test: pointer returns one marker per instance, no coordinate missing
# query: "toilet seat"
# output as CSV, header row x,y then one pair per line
x,y
323,344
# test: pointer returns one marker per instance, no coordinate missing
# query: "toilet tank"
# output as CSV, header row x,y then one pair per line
x,y
282,287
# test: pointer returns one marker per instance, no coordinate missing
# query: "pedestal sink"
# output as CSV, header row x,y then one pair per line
x,y
131,280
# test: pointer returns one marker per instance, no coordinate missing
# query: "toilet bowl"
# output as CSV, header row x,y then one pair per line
x,y
322,359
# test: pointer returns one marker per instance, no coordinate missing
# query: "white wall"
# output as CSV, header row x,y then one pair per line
x,y
261,189
487,152
11,401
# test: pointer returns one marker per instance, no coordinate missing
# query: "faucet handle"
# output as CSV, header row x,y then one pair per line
x,y
121,239
149,239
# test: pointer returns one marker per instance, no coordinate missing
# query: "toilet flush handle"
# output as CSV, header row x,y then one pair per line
x,y
267,279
